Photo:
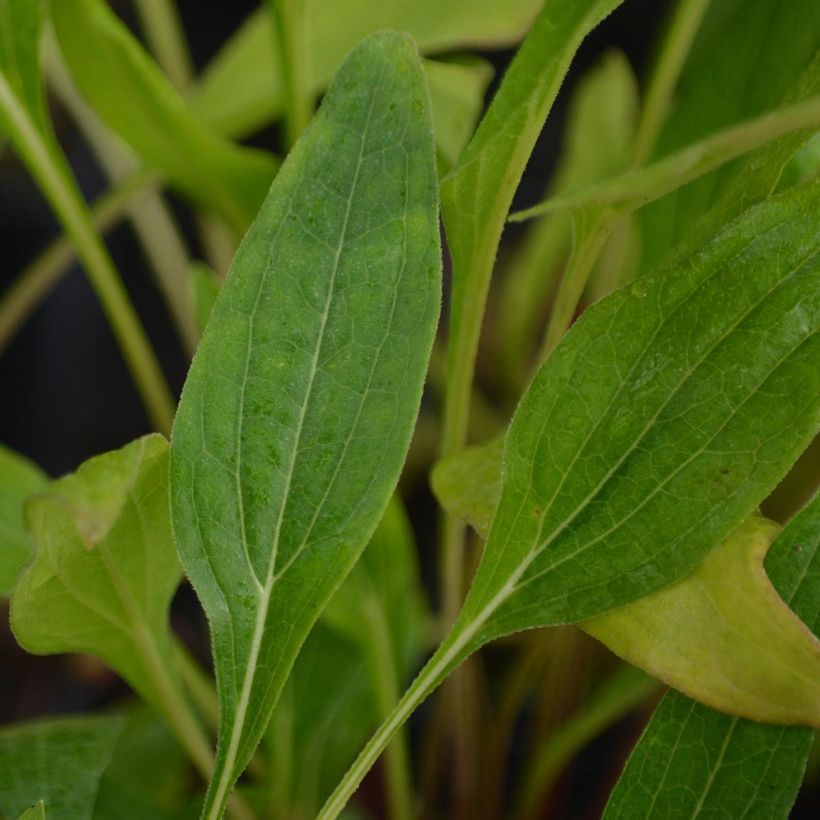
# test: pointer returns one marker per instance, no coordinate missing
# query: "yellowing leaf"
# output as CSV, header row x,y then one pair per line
x,y
724,636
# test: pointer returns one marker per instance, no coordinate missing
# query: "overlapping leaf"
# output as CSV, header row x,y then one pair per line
x,y
129,92
693,761
104,568
316,348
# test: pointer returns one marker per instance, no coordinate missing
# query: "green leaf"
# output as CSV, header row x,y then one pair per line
x,y
241,90
36,812
135,99
724,636
668,412
745,60
19,478
476,194
105,570
319,723
21,22
632,454
596,144
316,348
721,635
693,761
457,90
149,775
205,285
58,761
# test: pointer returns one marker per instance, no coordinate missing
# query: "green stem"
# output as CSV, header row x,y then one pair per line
x,y
291,33
40,276
381,660
151,218
55,181
166,39
677,42
633,189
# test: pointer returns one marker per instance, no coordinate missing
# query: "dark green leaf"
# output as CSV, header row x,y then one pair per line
x,y
316,348
58,761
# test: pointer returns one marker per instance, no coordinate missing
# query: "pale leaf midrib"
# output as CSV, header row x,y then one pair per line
x,y
240,712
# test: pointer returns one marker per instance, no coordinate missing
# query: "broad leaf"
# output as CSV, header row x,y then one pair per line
x,y
316,347
58,761
745,59
241,91
130,93
721,634
668,412
21,22
104,568
693,761
19,478
633,453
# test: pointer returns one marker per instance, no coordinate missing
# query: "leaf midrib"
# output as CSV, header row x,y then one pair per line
x,y
265,594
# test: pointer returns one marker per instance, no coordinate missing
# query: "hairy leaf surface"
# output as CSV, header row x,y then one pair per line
x,y
19,478
104,568
316,350
130,93
58,761
693,761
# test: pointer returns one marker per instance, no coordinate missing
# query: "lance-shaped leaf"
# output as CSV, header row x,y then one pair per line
x,y
19,478
668,412
695,762
36,812
726,80
298,408
104,568
722,634
58,761
134,98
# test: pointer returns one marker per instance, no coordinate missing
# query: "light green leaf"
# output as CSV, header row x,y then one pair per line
x,y
724,636
316,348
457,90
633,189
104,572
476,194
135,99
596,144
205,285
58,761
21,22
745,60
240,90
695,762
36,812
19,478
